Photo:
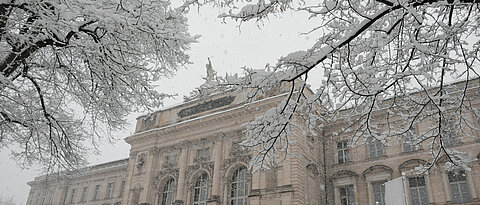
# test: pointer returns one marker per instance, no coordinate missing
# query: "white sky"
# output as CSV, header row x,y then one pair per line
x,y
229,48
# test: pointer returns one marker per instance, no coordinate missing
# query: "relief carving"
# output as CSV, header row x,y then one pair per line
x,y
141,158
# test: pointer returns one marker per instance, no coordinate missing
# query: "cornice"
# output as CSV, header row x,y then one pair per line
x,y
216,118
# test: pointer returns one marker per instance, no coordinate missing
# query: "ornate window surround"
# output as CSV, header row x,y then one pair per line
x,y
230,166
373,174
160,187
344,178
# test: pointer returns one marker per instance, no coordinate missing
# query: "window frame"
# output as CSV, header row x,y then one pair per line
x,y
345,150
349,189
201,187
238,178
418,189
378,146
381,193
110,190
465,197
167,195
96,192
83,197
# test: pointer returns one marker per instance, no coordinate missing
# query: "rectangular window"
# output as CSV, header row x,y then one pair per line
x,y
408,140
449,136
347,196
84,194
375,148
110,189
203,153
72,195
122,189
96,192
418,190
459,187
343,152
171,159
379,192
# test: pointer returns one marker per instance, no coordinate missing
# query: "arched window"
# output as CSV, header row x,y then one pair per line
x,y
167,193
200,191
239,188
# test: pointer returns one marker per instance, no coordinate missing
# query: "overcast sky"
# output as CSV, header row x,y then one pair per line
x,y
230,47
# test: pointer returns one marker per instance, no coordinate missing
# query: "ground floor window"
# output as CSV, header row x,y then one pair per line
x,y
347,196
459,187
379,192
418,190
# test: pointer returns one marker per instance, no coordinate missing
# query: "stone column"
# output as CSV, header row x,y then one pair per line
x,y
182,162
217,167
446,187
150,167
63,195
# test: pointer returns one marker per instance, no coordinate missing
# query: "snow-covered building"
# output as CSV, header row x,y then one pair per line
x,y
189,154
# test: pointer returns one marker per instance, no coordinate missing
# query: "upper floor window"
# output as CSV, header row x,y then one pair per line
x,y
200,191
96,192
449,135
375,148
84,194
347,196
418,190
171,159
122,188
459,187
72,195
239,187
110,189
167,193
343,152
408,140
379,192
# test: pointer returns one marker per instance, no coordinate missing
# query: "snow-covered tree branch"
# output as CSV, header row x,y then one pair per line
x,y
98,58
387,66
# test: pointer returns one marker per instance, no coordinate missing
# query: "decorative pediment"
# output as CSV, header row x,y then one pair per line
x,y
377,169
344,174
205,166
245,159
411,164
163,175
168,172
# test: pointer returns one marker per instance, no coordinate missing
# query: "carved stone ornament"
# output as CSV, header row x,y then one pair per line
x,y
205,106
149,120
141,160
162,174
154,150
206,166
245,159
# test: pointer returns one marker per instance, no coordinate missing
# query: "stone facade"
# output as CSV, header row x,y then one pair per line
x,y
188,154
